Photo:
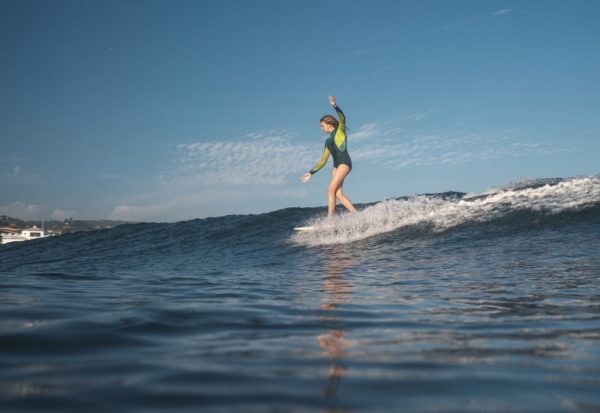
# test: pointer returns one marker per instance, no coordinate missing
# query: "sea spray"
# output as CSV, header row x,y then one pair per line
x,y
442,213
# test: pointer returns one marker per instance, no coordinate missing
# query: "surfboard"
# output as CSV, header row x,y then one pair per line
x,y
311,228
315,228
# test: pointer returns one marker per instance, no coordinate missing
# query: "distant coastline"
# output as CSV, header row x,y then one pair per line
x,y
57,227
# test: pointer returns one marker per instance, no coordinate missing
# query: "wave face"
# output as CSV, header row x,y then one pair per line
x,y
444,302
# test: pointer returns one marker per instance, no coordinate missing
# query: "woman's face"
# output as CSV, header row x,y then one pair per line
x,y
326,127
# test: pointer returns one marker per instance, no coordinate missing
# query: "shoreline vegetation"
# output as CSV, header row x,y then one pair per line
x,y
56,227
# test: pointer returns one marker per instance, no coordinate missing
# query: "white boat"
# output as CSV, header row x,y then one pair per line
x,y
25,235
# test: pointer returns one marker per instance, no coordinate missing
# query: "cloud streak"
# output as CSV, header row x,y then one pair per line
x,y
271,158
264,158
503,12
401,151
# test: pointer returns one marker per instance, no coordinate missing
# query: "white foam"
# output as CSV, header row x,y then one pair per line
x,y
443,214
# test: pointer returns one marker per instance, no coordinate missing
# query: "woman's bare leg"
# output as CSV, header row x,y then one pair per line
x,y
337,180
344,200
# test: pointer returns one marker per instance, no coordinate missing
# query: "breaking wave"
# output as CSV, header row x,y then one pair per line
x,y
440,213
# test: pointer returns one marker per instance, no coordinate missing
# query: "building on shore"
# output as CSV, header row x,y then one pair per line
x,y
25,235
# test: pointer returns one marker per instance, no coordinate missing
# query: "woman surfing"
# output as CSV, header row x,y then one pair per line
x,y
336,146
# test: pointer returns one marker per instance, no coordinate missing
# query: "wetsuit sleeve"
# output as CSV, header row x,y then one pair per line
x,y
322,162
340,135
341,117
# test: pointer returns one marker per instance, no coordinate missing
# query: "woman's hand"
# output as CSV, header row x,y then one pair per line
x,y
332,101
306,177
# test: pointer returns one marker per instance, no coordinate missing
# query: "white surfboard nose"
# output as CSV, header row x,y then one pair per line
x,y
305,228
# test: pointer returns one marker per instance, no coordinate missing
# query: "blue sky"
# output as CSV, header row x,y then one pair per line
x,y
172,110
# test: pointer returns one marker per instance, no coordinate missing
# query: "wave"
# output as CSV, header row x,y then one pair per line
x,y
215,240
440,213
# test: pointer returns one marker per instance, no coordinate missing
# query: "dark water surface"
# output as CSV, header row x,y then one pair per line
x,y
427,304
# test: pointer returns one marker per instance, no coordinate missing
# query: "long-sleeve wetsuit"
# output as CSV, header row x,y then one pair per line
x,y
335,145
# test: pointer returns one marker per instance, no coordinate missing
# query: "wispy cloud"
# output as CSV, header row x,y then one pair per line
x,y
366,131
469,21
264,158
404,141
503,12
261,158
384,128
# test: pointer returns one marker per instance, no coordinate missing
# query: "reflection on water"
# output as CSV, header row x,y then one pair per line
x,y
334,341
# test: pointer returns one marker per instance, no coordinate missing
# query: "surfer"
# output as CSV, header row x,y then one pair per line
x,y
336,146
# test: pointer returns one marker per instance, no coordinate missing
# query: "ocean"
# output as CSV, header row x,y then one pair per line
x,y
448,302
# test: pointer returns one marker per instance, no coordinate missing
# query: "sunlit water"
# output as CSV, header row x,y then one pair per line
x,y
450,303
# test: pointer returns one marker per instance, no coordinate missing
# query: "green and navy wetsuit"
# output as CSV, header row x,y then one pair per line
x,y
336,145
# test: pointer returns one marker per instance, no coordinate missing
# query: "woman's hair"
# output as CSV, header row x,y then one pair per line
x,y
330,120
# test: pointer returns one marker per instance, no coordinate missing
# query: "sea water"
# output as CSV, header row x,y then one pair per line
x,y
436,303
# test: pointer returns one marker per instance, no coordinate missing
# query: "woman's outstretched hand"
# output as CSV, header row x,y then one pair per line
x,y
306,177
332,101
